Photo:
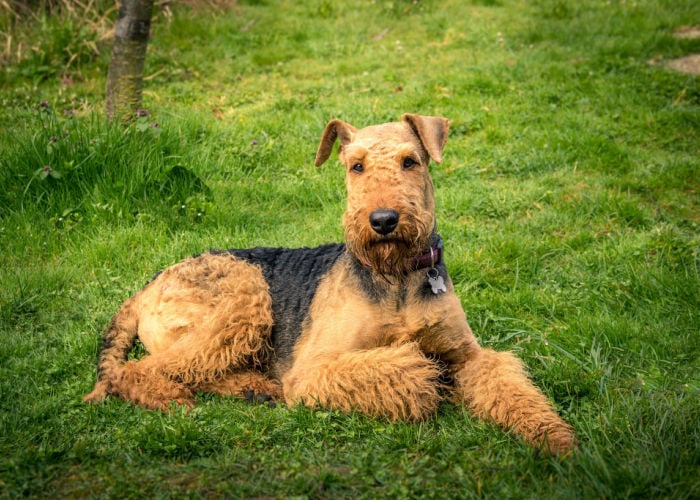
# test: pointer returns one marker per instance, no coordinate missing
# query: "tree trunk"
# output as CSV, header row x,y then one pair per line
x,y
125,75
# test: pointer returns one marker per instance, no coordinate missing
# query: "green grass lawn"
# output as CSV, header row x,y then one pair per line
x,y
568,201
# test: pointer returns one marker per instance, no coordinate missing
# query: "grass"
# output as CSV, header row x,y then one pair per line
x,y
568,200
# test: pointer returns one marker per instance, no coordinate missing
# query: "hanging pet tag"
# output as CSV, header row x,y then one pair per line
x,y
437,284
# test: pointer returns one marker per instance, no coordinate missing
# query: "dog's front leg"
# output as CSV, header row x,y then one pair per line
x,y
495,386
395,382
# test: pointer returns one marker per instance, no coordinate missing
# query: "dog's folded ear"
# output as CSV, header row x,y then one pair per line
x,y
336,129
432,132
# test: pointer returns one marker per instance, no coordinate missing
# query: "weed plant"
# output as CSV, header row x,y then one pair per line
x,y
568,201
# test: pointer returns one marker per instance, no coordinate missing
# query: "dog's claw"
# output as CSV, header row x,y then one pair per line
x,y
260,398
249,396
263,398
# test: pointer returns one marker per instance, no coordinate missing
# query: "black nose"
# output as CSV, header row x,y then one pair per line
x,y
384,221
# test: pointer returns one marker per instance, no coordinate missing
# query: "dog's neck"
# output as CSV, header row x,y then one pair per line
x,y
432,257
380,286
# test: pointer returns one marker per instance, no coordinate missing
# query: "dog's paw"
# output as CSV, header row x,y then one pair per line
x,y
560,442
166,405
98,394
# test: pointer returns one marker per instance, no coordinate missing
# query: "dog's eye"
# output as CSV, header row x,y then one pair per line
x,y
408,163
358,168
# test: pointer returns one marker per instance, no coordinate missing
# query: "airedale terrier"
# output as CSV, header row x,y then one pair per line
x,y
371,325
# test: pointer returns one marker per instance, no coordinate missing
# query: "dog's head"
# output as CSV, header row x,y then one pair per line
x,y
391,208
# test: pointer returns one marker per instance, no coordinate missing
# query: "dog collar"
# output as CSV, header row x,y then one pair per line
x,y
431,258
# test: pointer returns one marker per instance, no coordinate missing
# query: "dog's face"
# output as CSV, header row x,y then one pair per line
x,y
390,209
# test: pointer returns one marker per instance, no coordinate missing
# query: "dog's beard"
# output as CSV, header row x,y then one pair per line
x,y
389,255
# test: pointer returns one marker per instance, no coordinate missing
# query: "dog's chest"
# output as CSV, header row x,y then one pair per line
x,y
347,316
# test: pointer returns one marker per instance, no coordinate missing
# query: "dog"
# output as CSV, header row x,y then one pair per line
x,y
370,325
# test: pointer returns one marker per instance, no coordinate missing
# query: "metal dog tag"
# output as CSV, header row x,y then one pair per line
x,y
437,284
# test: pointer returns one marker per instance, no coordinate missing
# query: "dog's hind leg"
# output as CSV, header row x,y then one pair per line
x,y
199,321
128,379
208,363
117,340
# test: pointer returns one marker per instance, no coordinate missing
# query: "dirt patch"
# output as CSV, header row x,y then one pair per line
x,y
688,64
687,32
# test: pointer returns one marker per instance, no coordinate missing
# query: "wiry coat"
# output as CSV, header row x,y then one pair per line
x,y
372,325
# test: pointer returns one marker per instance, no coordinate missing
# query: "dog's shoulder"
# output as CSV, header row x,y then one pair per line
x,y
293,276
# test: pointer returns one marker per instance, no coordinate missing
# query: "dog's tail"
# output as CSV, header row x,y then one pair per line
x,y
117,340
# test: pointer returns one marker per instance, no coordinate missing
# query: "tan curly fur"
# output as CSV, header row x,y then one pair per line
x,y
374,338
